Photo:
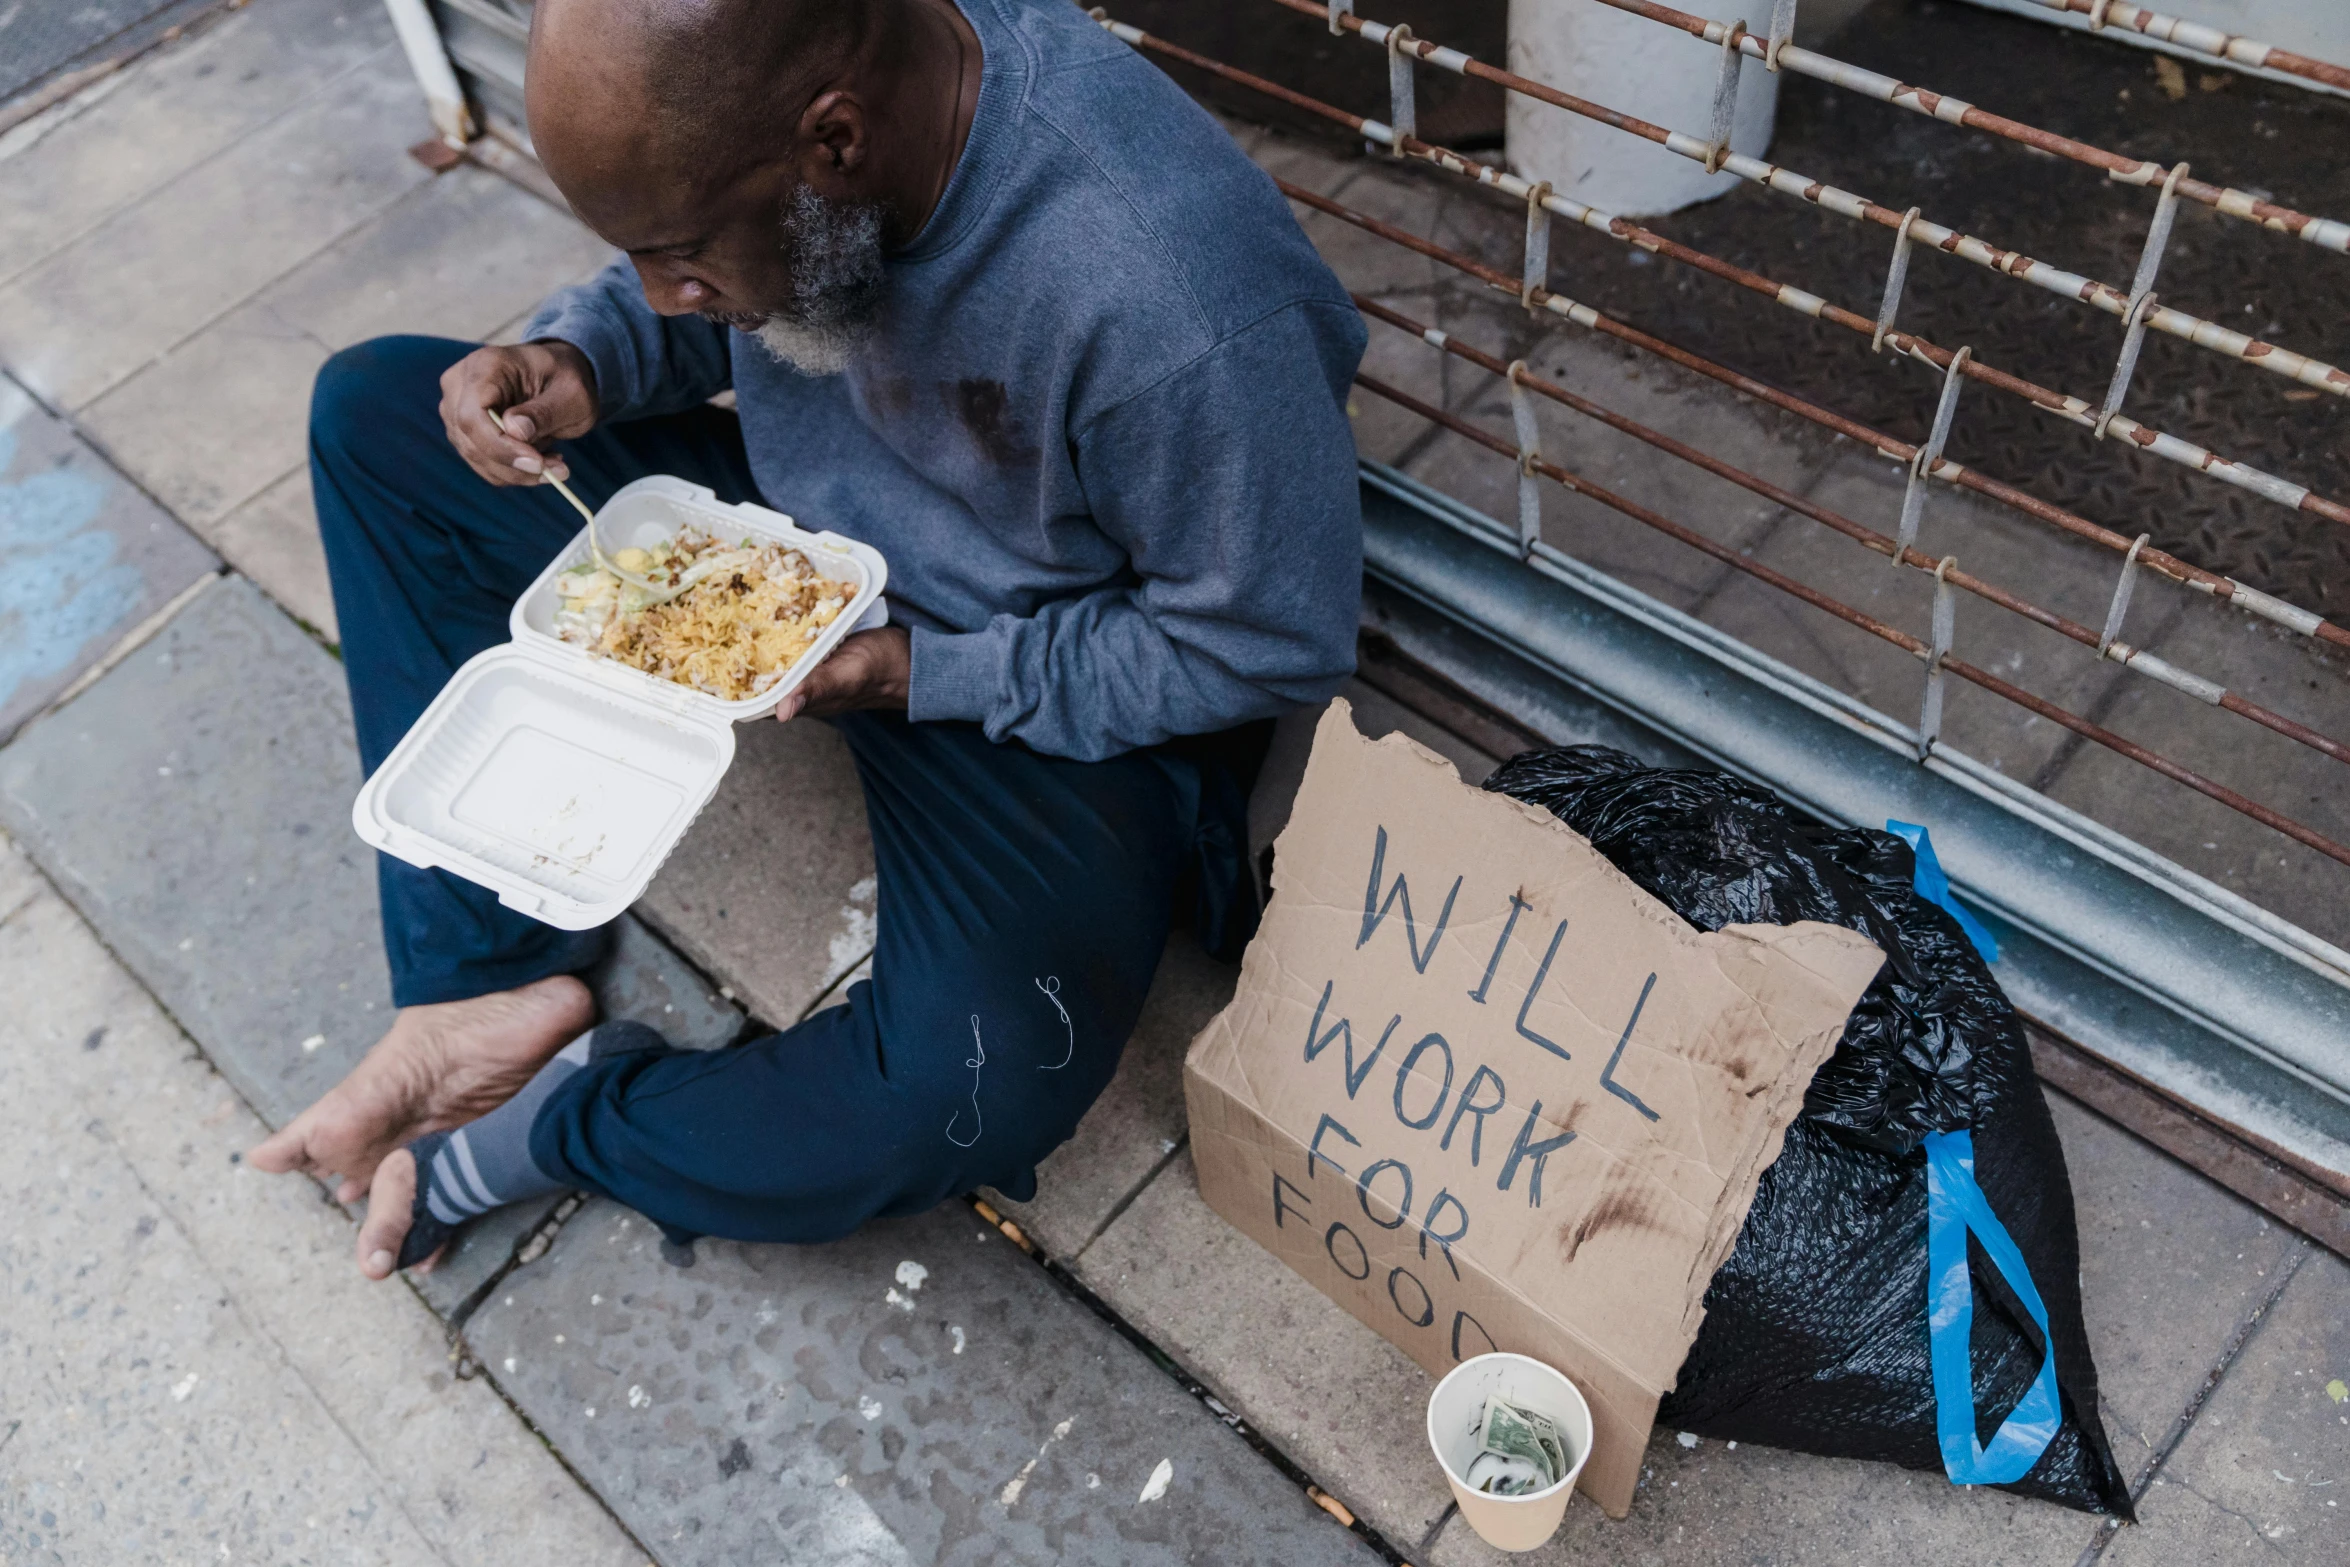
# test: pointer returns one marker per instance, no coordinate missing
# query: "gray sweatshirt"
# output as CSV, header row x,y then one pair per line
x,y
1101,436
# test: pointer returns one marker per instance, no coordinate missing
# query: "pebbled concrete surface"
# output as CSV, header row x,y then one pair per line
x,y
36,41
1342,1402
921,1392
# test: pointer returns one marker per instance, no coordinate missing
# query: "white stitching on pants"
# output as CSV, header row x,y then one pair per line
x,y
1051,986
978,1060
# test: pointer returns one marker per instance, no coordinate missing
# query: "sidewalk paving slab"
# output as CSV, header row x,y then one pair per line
x,y
643,978
73,165
2172,1265
1706,1506
2263,1473
195,804
771,891
224,415
19,882
106,557
273,539
156,273
1343,1403
195,1371
921,1392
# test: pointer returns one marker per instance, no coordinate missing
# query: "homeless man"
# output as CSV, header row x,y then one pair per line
x,y
996,298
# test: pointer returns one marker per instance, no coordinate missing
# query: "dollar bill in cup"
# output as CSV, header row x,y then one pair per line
x,y
1520,1450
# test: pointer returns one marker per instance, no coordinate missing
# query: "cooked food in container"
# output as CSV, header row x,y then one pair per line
x,y
727,619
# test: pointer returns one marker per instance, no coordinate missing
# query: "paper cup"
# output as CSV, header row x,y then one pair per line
x,y
1509,1523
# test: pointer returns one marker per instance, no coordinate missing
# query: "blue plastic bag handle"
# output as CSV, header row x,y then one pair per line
x,y
1955,1205
1930,883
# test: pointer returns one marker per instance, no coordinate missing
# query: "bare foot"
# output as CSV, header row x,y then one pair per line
x,y
390,1202
440,1066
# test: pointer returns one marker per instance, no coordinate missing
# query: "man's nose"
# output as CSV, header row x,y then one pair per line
x,y
672,291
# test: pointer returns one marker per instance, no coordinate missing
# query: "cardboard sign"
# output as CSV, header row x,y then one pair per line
x,y
1488,1094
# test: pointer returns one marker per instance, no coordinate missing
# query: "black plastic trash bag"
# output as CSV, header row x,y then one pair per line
x,y
1816,1333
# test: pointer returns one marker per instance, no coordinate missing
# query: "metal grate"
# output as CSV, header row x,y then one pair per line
x,y
2138,308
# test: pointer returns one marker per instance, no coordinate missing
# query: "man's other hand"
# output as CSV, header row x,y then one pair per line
x,y
545,392
869,669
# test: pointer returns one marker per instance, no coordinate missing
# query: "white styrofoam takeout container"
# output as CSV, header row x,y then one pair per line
x,y
561,780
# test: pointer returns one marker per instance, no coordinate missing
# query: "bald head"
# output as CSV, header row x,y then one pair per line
x,y
696,85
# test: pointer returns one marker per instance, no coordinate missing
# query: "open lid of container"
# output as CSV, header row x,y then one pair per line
x,y
561,780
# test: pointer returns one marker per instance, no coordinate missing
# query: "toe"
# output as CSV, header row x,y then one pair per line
x,y
282,1152
389,1202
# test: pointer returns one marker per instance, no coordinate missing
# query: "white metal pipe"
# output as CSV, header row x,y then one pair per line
x,y
443,98
2311,34
1593,52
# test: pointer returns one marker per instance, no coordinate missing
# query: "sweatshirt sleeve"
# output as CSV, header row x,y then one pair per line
x,y
646,363
1231,485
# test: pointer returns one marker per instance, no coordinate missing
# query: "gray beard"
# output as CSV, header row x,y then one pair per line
x,y
837,284
811,350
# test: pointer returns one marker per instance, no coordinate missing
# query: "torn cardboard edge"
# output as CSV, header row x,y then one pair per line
x,y
1678,1086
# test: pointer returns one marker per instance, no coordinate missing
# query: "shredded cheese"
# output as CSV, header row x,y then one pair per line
x,y
751,612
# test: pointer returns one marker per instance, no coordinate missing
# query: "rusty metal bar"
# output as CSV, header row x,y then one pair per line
x,y
2134,306
1868,623
2330,233
2075,410
2106,645
2184,572
2203,39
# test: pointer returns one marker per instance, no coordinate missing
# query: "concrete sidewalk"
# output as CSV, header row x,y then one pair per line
x,y
181,248
193,1370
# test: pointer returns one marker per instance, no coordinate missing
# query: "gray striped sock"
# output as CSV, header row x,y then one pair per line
x,y
487,1163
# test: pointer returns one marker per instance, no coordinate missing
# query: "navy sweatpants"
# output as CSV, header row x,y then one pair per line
x,y
1023,899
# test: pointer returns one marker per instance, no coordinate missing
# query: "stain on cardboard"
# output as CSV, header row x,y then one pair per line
x,y
1619,1208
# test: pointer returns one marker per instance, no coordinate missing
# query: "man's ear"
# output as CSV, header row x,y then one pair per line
x,y
832,136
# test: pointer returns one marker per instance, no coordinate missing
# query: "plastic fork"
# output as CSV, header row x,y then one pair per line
x,y
654,592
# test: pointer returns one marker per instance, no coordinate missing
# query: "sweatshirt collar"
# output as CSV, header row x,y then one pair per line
x,y
1002,84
